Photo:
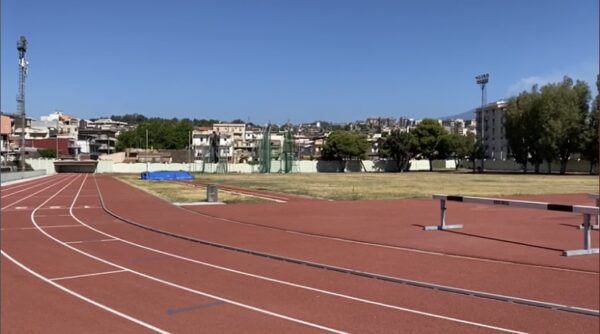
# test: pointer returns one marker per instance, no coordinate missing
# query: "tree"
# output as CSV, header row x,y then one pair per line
x,y
130,119
344,145
399,146
162,134
457,147
590,149
428,135
516,129
566,108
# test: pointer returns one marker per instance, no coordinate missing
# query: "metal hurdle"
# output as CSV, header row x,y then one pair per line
x,y
597,198
586,211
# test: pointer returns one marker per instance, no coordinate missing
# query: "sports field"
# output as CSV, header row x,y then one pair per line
x,y
360,186
88,253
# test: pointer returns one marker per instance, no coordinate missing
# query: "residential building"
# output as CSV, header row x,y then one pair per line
x,y
490,120
5,131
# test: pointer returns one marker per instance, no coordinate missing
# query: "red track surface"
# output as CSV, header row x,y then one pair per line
x,y
69,266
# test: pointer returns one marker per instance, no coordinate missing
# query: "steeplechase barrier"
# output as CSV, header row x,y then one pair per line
x,y
597,198
586,211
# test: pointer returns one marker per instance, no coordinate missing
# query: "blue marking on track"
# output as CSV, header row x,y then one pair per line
x,y
174,311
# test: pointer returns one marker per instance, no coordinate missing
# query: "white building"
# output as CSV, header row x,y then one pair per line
x,y
491,130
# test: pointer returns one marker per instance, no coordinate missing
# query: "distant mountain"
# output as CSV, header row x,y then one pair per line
x,y
465,115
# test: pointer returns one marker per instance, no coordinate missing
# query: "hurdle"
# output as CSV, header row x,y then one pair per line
x,y
586,211
597,198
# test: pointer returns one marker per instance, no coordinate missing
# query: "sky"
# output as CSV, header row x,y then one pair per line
x,y
289,60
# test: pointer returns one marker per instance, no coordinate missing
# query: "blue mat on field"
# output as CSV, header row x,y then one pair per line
x,y
167,176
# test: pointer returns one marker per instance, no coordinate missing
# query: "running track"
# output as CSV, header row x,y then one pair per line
x,y
83,253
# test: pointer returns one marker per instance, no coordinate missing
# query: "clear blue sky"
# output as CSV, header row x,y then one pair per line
x,y
297,60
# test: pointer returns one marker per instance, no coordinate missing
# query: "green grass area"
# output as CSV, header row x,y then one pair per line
x,y
361,186
176,192
358,186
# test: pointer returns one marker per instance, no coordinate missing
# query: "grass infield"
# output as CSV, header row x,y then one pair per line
x,y
362,186
176,192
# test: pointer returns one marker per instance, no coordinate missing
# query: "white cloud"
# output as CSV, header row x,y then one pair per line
x,y
586,71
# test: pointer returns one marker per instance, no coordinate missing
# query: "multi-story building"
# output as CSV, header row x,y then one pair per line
x,y
100,136
491,131
5,131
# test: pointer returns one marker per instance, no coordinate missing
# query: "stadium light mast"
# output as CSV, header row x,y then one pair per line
x,y
482,80
22,48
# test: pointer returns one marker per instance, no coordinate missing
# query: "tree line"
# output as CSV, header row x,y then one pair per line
x,y
552,123
547,124
428,140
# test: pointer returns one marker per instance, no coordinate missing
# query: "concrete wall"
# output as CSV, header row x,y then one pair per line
x,y
47,165
573,166
13,176
315,166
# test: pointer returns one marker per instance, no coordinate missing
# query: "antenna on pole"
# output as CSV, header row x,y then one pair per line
x,y
22,48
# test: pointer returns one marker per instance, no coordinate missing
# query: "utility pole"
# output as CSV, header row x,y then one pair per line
x,y
22,48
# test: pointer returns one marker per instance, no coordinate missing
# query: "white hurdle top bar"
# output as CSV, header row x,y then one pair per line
x,y
590,210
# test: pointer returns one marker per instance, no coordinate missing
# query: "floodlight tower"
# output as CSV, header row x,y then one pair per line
x,y
482,80
22,48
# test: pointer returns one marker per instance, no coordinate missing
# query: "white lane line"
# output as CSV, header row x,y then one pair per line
x,y
35,228
53,215
27,188
87,275
326,292
73,293
31,195
181,287
86,241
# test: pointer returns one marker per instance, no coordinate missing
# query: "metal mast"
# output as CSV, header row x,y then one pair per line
x,y
22,48
482,80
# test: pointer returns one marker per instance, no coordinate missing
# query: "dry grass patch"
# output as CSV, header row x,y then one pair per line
x,y
355,186
182,193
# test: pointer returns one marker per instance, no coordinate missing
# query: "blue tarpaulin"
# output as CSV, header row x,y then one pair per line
x,y
166,175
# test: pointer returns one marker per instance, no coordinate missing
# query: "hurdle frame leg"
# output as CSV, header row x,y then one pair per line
x,y
442,226
587,240
597,226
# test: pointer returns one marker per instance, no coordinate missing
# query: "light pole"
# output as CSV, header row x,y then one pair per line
x,y
57,118
22,48
482,80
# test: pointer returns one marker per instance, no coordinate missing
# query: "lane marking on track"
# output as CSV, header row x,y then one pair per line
x,y
86,241
27,186
33,194
294,284
73,293
156,279
35,228
20,208
87,275
472,293
53,216
376,245
171,284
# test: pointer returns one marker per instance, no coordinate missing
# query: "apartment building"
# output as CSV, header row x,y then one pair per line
x,y
490,120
